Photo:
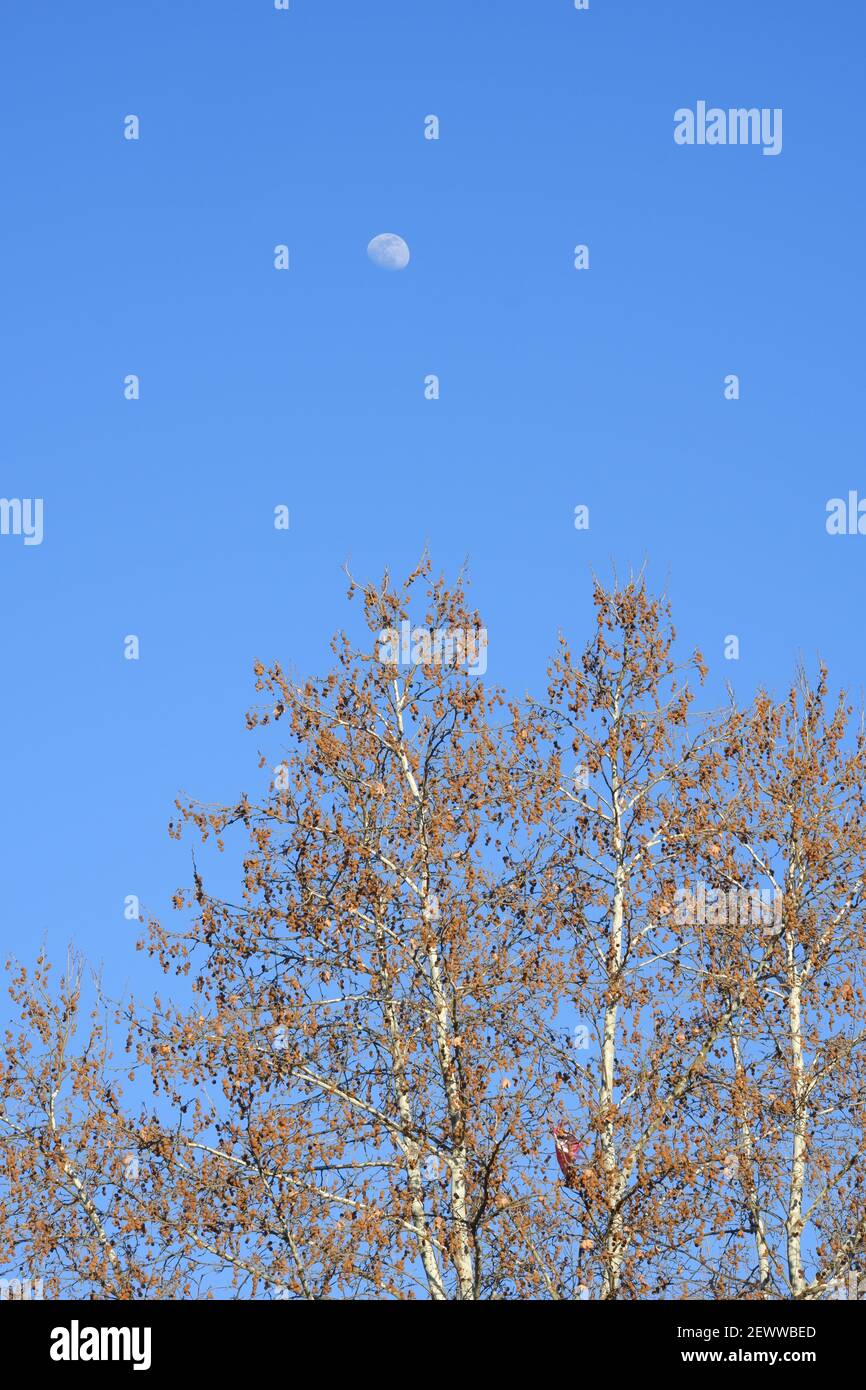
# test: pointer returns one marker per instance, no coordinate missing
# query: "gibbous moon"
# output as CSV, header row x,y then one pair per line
x,y
389,251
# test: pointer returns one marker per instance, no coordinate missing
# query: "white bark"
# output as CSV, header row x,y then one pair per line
x,y
613,1179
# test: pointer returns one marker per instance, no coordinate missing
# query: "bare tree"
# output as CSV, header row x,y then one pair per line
x,y
554,999
372,1092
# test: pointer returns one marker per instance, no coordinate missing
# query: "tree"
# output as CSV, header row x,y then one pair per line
x,y
367,1047
555,999
790,877
73,1196
638,979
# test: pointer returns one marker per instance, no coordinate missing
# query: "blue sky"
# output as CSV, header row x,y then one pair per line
x,y
259,387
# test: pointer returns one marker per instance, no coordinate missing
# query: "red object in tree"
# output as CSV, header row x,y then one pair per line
x,y
568,1147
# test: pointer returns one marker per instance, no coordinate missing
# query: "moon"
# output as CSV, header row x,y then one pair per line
x,y
389,251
